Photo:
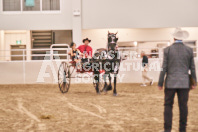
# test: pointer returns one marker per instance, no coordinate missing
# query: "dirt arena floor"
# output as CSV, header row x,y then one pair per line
x,y
32,108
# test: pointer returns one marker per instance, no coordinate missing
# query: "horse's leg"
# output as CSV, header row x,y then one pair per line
x,y
109,86
96,78
115,81
105,82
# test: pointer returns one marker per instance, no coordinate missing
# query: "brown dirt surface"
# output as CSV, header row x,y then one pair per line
x,y
44,108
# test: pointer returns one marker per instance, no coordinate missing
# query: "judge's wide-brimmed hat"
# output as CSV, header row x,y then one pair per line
x,y
86,40
180,34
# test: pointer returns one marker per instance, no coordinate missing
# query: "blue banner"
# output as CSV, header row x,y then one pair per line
x,y
30,3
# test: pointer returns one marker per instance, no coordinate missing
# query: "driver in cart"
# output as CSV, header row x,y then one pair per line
x,y
86,55
86,50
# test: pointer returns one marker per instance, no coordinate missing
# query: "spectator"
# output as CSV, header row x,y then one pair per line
x,y
145,70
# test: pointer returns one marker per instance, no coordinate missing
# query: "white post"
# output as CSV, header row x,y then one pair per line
x,y
23,54
2,45
24,66
51,54
28,45
77,27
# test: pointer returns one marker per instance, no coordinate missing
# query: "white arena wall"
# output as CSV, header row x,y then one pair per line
x,y
27,72
38,21
139,13
99,36
107,14
39,72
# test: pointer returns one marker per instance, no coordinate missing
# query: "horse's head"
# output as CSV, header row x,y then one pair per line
x,y
112,41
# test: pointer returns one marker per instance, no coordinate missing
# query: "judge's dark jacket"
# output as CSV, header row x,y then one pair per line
x,y
178,60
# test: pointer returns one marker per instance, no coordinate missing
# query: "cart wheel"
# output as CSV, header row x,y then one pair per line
x,y
64,77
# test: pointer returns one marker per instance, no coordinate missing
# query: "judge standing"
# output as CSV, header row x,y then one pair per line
x,y
178,60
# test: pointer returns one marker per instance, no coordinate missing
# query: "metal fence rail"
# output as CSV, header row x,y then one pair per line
x,y
52,52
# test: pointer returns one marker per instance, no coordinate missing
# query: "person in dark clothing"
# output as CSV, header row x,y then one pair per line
x,y
145,69
178,60
74,54
144,60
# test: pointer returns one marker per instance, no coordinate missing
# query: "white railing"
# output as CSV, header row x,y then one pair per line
x,y
59,45
136,51
5,55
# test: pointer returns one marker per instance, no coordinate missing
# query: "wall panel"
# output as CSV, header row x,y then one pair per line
x,y
99,36
139,13
38,21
